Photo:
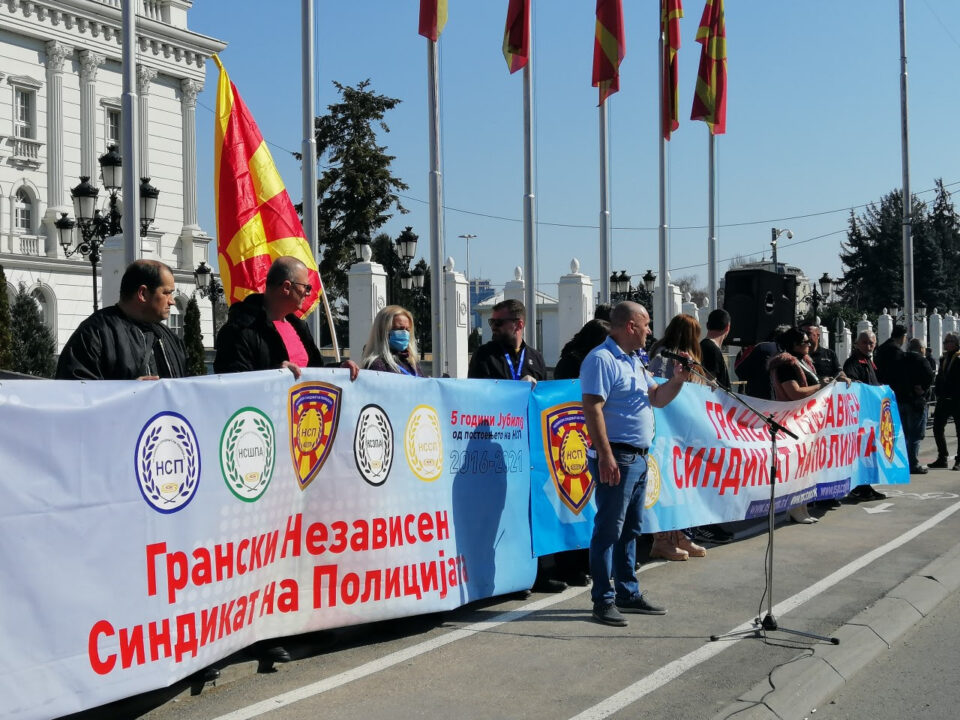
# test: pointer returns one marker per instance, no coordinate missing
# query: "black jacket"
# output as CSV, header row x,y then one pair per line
x,y
912,380
489,361
948,379
887,357
714,362
825,362
860,368
110,346
249,341
751,366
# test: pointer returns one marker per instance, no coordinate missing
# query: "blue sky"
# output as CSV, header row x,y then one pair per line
x,y
813,122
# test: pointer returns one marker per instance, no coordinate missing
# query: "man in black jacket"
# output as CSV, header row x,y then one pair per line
x,y
948,399
824,359
859,367
888,355
911,384
718,325
507,356
264,332
128,341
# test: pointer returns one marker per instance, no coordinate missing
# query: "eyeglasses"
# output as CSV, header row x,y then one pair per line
x,y
497,322
804,342
307,287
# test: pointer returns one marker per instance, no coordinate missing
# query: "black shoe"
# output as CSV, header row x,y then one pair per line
x,y
921,470
579,579
956,465
549,585
640,604
609,615
874,494
713,534
939,464
831,503
866,493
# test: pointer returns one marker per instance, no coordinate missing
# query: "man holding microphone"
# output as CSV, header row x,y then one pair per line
x,y
618,400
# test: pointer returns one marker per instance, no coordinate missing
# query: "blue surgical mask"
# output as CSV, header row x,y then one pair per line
x,y
399,340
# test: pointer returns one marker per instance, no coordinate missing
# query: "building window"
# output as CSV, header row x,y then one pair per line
x,y
175,321
23,212
112,133
24,119
43,305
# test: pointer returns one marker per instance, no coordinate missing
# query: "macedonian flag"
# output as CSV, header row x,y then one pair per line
x,y
256,222
609,47
516,36
710,101
433,16
670,13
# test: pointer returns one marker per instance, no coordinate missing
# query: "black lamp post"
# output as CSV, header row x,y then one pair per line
x,y
815,298
95,226
209,285
416,281
406,250
621,290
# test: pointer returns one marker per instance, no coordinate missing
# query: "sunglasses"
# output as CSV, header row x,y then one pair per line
x,y
307,287
497,322
805,342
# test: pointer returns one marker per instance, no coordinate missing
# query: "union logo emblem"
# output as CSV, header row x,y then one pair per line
x,y
373,444
886,428
654,483
423,444
247,453
167,462
565,446
314,411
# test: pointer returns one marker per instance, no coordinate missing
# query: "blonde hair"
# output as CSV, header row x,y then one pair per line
x,y
682,334
378,343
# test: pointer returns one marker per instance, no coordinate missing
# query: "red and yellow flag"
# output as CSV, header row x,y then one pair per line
x,y
256,222
516,36
609,47
670,13
710,100
433,16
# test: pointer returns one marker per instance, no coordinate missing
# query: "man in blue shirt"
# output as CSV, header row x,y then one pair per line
x,y
618,400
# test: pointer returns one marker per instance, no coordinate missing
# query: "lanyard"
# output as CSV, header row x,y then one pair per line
x,y
515,371
402,369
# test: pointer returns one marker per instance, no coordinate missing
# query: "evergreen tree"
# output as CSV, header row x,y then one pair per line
x,y
6,339
357,192
945,234
33,346
193,339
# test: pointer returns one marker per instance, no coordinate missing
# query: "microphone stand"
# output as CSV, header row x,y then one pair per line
x,y
768,622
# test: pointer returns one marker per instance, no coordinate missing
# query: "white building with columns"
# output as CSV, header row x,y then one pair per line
x,y
60,88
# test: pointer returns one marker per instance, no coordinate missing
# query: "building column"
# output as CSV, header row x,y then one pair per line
x,y
57,54
145,76
89,63
191,232
574,304
457,320
367,295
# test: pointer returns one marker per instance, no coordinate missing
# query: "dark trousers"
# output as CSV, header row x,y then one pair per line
x,y
914,421
946,408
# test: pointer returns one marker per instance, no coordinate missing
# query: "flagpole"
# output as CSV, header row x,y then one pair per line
x,y
130,152
908,289
437,334
664,309
308,149
712,221
529,204
605,218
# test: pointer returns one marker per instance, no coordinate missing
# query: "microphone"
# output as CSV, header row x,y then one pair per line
x,y
683,360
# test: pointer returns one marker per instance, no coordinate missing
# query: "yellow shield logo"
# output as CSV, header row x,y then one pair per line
x,y
314,412
423,444
565,445
886,428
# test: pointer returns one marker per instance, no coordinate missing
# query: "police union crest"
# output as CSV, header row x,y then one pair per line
x,y
886,429
373,445
247,453
314,410
565,445
167,462
423,444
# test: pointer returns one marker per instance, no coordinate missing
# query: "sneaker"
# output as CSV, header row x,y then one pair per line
x,y
640,604
921,470
713,534
939,464
609,615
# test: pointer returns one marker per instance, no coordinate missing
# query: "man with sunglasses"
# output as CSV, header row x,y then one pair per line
x,y
264,332
507,356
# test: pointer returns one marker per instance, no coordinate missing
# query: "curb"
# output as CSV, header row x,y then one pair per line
x,y
793,691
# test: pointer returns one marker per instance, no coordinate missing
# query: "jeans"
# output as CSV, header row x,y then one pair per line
x,y
914,420
613,546
945,408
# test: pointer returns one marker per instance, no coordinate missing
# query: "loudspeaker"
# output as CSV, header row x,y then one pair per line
x,y
758,301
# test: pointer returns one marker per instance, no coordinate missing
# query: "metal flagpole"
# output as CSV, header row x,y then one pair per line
x,y
712,222
908,289
437,333
130,220
664,309
308,149
605,218
529,204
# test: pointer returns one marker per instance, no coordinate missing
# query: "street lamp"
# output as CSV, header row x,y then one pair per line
x,y
360,240
95,226
417,278
470,288
621,289
815,298
775,234
209,285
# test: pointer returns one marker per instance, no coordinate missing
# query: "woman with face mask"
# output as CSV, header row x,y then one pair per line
x,y
392,345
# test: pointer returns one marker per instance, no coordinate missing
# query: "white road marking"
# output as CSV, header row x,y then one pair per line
x,y
673,670
881,508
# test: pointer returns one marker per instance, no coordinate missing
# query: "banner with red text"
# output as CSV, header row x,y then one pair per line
x,y
148,529
710,457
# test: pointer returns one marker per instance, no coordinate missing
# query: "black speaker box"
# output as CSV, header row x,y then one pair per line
x,y
758,301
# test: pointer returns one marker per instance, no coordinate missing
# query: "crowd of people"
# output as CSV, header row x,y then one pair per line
x,y
615,358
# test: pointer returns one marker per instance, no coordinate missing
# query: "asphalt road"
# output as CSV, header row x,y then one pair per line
x,y
544,658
